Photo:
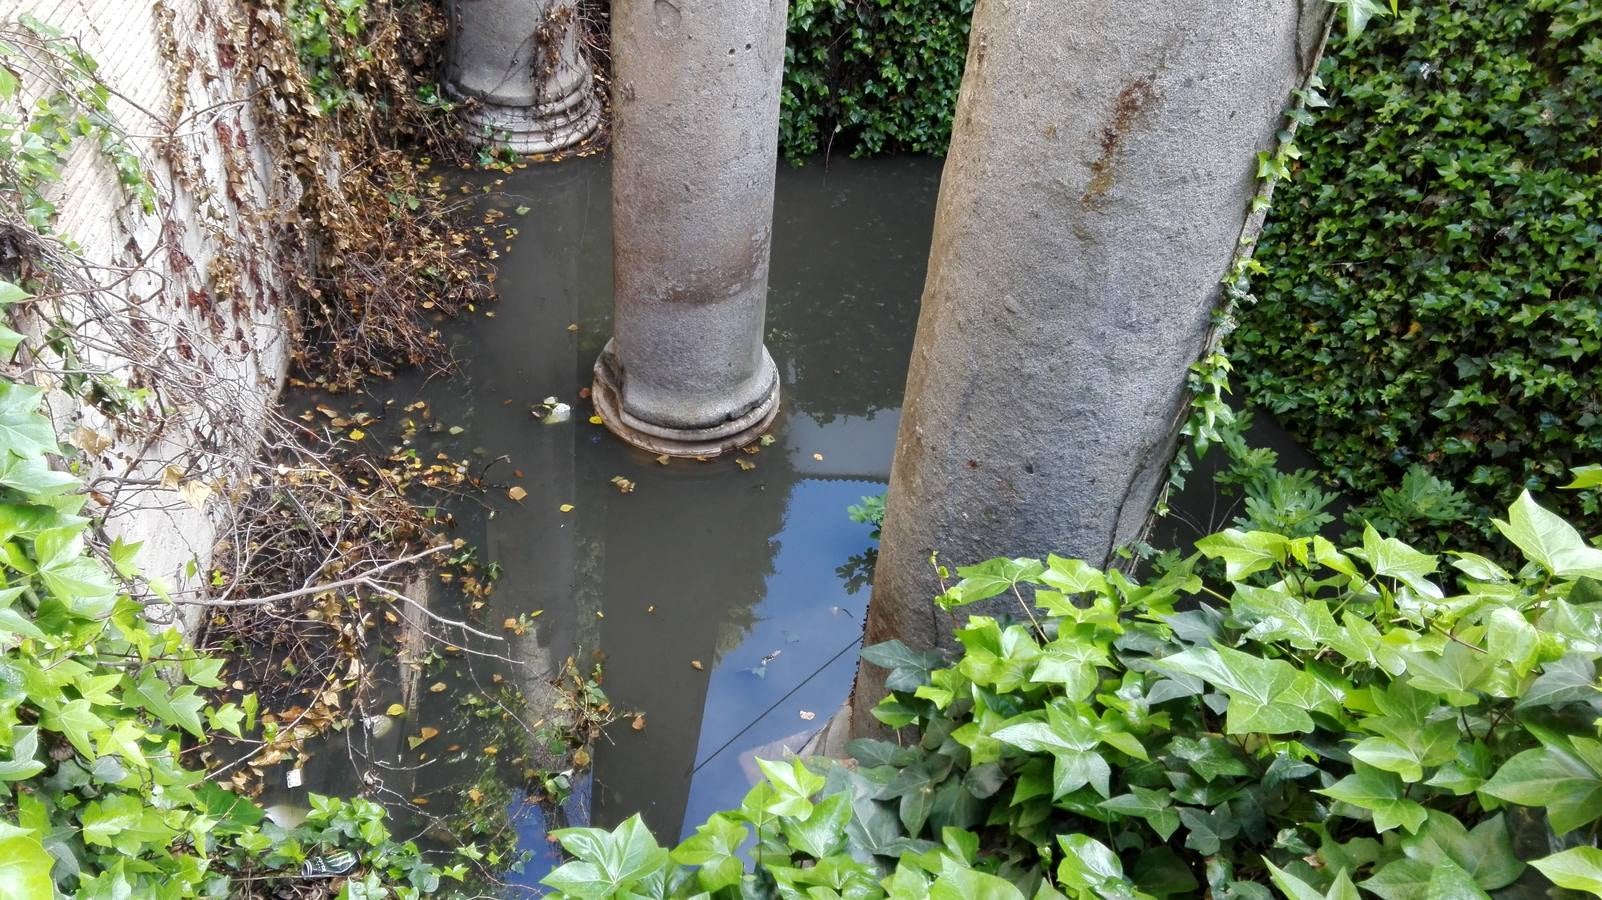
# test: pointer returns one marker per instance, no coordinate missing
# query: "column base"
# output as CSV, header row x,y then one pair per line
x,y
542,128
607,395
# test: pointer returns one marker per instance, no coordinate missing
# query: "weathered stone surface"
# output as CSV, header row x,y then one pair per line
x,y
1101,166
696,108
520,59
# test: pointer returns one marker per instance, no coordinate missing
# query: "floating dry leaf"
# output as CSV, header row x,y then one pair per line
x,y
395,709
696,665
624,486
475,795
767,440
566,507
745,465
516,492
663,459
357,434
423,734
639,722
437,687
581,757
595,420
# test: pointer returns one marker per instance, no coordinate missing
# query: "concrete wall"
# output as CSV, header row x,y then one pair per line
x,y
207,297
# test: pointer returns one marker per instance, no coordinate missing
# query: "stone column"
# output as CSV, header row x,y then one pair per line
x,y
1101,168
521,61
695,100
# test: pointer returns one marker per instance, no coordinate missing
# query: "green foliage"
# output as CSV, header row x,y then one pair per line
x,y
1432,273
38,133
872,76
97,711
869,512
1373,721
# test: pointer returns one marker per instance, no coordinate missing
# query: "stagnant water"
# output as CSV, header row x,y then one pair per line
x,y
726,598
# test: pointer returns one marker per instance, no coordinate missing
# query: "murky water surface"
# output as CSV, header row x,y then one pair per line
x,y
726,598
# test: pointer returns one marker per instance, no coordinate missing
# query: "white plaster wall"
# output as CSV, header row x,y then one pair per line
x,y
210,283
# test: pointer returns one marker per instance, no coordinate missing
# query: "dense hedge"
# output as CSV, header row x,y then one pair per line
x,y
1433,268
872,76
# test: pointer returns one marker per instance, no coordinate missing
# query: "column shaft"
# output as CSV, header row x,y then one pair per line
x,y
696,107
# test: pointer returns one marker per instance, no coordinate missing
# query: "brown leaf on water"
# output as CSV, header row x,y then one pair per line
x,y
423,735
662,460
624,486
744,465
516,492
437,687
639,722
581,758
696,665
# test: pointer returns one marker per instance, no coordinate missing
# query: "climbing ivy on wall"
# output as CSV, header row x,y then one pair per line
x,y
872,76
1432,287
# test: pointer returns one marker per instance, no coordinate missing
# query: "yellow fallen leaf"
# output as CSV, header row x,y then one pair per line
x,y
475,795
437,687
566,507
395,709
745,466
696,665
663,459
595,420
581,757
517,493
357,434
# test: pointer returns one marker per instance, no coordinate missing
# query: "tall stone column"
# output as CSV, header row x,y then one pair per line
x,y
695,101
520,59
1101,168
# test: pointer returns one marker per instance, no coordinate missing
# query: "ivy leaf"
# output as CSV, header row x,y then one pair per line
x,y
1149,804
1585,477
1545,538
1391,558
1072,662
1245,552
715,847
1570,679
1087,865
1073,576
24,865
24,746
606,863
1266,696
823,832
793,787
908,669
1380,793
77,721
1556,778
1454,673
988,579
1297,889
1485,853
1577,868
1071,740
23,430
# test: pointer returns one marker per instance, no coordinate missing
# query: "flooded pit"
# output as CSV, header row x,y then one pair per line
x,y
747,564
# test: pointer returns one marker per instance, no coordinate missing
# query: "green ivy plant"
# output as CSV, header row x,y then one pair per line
x,y
97,711
1430,276
872,77
1274,712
